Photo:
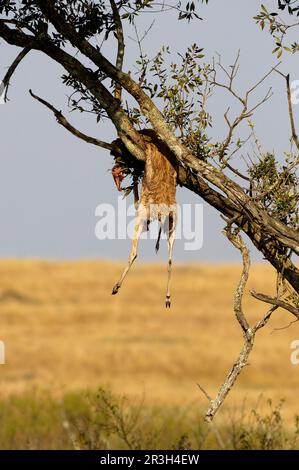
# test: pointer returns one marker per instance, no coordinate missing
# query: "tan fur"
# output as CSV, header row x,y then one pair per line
x,y
157,202
157,198
159,181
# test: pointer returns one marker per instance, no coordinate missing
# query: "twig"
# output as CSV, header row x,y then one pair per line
x,y
63,121
245,112
214,428
277,302
204,392
285,327
121,45
290,107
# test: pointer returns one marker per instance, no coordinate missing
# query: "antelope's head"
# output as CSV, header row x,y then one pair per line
x,y
118,176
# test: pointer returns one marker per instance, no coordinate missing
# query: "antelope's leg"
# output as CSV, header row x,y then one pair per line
x,y
133,254
170,242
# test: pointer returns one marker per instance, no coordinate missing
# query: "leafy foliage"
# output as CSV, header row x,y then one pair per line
x,y
93,20
113,420
266,431
277,186
101,421
182,89
89,18
277,27
187,11
290,5
82,99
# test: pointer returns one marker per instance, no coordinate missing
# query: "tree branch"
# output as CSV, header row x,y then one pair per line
x,y
290,107
245,112
248,332
278,303
121,45
269,247
240,245
11,70
63,121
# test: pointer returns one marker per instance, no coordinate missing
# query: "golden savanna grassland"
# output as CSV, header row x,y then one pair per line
x,y
64,331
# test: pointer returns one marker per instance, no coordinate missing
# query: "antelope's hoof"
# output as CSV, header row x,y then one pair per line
x,y
115,289
167,301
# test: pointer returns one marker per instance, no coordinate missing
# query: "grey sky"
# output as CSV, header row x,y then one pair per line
x,y
51,183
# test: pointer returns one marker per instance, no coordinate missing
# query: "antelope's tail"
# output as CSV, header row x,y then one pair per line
x,y
158,240
135,190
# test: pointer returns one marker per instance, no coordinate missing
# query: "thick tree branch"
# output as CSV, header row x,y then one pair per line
x,y
63,121
269,247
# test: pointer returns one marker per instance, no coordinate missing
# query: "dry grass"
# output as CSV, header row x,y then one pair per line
x,y
63,331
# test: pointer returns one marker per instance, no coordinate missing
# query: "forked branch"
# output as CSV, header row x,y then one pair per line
x,y
279,303
246,111
248,332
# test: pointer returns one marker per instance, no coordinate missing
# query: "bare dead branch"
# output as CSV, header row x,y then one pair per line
x,y
285,327
11,70
232,376
290,107
231,75
238,243
277,302
121,45
246,112
208,397
260,324
214,428
144,61
236,172
241,362
63,121
259,82
248,332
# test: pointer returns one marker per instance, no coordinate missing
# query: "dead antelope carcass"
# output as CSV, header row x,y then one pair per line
x,y
157,202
